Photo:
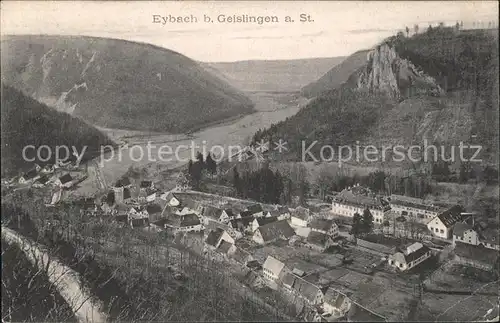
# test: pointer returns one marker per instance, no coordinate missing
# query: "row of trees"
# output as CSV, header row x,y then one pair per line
x,y
362,224
263,185
202,165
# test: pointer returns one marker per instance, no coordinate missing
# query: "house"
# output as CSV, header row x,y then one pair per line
x,y
56,197
415,208
86,205
255,210
211,213
47,169
181,222
29,177
272,232
124,182
325,226
300,217
171,198
243,257
216,237
347,203
146,185
138,211
226,248
245,214
465,233
442,225
319,241
243,225
65,181
336,303
283,213
154,210
476,256
226,215
41,181
257,222
489,238
311,293
272,268
410,256
254,264
127,194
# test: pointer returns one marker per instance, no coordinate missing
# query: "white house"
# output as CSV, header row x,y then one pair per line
x,y
273,231
171,199
442,225
410,256
325,226
272,268
300,217
347,203
489,238
465,233
418,209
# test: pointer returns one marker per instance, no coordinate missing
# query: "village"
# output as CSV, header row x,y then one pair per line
x,y
362,257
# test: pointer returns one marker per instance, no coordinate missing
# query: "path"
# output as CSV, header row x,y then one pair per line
x,y
65,279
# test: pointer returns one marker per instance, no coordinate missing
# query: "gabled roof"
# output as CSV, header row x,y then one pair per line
x,y
273,265
211,212
146,184
246,214
460,228
122,182
322,224
451,216
242,223
65,178
411,253
264,221
189,220
254,208
476,253
154,208
334,297
490,235
317,238
126,193
413,203
275,230
229,212
224,247
301,213
30,174
347,197
241,256
214,236
288,279
306,289
283,209
42,180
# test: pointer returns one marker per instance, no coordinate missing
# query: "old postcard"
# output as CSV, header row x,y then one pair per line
x,y
304,161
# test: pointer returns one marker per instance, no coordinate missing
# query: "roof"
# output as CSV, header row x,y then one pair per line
x,y
241,256
224,247
460,228
490,235
275,230
412,252
476,253
451,216
246,214
273,265
283,209
43,180
254,208
359,200
413,202
301,213
306,289
253,264
122,182
146,184
154,208
317,238
242,223
189,220
214,236
288,279
65,178
211,212
229,212
358,313
30,174
322,224
264,221
126,193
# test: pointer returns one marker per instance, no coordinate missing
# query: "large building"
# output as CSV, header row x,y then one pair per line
x,y
414,208
349,202
410,256
442,225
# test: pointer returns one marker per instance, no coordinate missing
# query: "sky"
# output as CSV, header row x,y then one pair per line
x,y
336,28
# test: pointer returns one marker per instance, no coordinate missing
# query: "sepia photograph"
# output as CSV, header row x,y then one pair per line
x,y
250,161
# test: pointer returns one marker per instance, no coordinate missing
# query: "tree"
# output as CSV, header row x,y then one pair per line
x,y
457,26
429,29
415,29
210,164
367,221
110,199
407,31
357,225
237,182
190,166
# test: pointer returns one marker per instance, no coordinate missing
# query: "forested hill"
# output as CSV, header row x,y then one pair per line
x,y
441,85
119,84
28,122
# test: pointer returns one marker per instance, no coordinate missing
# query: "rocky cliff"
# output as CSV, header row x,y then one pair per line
x,y
386,71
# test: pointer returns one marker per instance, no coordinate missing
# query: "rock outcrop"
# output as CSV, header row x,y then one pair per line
x,y
386,71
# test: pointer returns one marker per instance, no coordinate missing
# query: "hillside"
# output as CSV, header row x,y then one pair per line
x,y
28,122
272,75
336,76
119,84
431,92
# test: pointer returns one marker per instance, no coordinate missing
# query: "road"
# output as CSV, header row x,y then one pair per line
x,y
65,279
